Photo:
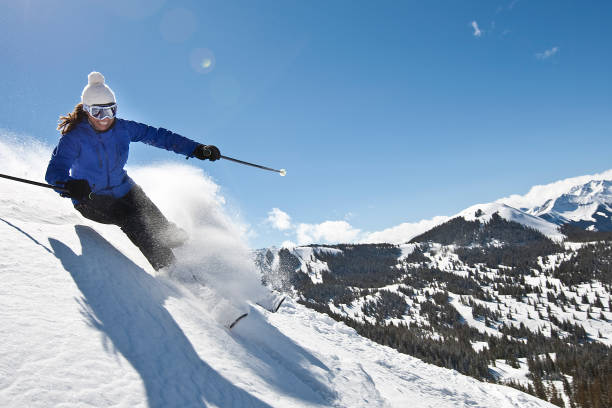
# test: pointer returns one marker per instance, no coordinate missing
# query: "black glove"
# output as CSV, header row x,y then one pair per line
x,y
209,152
77,189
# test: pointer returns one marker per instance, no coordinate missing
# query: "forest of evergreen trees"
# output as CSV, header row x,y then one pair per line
x,y
459,231
363,272
591,262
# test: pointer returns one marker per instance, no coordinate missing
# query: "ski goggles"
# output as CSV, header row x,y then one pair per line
x,y
101,112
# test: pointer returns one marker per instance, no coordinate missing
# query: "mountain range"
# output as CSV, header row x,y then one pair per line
x,y
517,291
576,200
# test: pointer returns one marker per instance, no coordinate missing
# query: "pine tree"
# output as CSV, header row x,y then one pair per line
x,y
530,389
538,386
555,398
566,387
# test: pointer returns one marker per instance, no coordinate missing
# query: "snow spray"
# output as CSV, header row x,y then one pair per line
x,y
216,254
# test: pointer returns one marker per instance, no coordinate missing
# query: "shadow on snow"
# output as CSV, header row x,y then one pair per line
x,y
283,363
125,303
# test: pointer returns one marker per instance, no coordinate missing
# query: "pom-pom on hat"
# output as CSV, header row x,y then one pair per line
x,y
96,92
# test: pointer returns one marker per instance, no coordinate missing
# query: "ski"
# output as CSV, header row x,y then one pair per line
x,y
274,308
278,305
231,326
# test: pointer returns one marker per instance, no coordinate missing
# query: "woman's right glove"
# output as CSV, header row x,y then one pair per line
x,y
77,189
207,152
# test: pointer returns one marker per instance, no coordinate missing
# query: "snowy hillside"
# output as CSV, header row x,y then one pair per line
x,y
498,310
85,321
535,311
483,213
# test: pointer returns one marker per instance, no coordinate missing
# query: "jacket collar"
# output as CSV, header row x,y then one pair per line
x,y
86,126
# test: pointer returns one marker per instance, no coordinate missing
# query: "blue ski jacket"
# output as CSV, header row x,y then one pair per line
x,y
99,157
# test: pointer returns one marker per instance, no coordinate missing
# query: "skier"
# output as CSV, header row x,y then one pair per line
x,y
88,162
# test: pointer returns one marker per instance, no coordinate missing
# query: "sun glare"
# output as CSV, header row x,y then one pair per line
x,y
202,60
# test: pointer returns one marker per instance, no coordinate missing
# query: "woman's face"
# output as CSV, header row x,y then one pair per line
x,y
100,125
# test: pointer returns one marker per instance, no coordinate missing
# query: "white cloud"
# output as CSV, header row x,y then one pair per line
x,y
336,232
548,53
403,232
279,219
328,231
477,32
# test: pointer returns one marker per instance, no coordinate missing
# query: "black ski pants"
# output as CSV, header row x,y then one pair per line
x,y
137,217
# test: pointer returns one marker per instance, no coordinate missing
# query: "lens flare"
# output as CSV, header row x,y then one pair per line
x,y
202,60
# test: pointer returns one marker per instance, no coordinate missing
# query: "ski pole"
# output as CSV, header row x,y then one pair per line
x,y
208,153
282,172
36,183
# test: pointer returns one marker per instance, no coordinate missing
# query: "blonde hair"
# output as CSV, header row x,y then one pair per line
x,y
67,122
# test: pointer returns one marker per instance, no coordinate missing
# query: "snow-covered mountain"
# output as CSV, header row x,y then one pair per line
x,y
85,321
484,212
585,202
588,206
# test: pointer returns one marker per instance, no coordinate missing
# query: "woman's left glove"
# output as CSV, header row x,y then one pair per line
x,y
207,152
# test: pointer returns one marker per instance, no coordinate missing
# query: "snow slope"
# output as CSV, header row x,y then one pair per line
x,y
511,214
85,321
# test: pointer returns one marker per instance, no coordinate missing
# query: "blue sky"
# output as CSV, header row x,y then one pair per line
x,y
381,112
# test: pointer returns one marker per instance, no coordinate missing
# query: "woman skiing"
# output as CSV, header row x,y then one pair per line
x,y
89,163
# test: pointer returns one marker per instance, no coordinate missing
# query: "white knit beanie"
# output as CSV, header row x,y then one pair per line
x,y
96,92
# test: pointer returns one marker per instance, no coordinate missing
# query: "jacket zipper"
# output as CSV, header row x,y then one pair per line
x,y
107,162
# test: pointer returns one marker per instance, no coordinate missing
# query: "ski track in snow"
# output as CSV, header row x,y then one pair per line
x,y
86,322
